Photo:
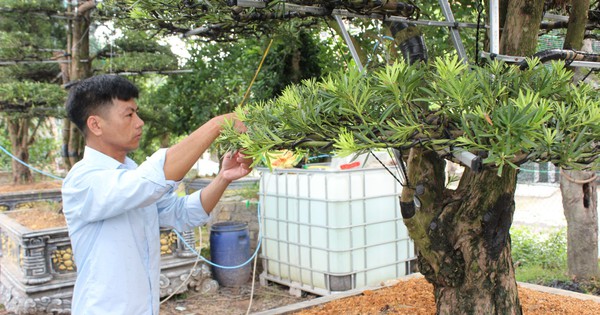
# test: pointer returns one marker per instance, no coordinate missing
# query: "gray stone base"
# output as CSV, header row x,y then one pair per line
x,y
35,299
55,297
197,278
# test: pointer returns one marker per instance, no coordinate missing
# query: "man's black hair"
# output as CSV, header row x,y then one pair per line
x,y
89,96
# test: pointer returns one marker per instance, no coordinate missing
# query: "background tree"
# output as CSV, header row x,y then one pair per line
x,y
578,188
77,52
221,74
28,90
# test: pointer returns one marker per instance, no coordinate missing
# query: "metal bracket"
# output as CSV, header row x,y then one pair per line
x,y
349,42
516,59
454,34
494,26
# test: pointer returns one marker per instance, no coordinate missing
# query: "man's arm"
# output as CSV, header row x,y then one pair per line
x,y
182,156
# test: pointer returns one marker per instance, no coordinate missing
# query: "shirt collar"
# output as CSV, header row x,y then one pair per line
x,y
98,157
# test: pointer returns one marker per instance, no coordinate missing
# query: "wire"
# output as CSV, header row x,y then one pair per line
x,y
29,166
184,282
341,51
479,11
200,257
587,75
386,168
252,288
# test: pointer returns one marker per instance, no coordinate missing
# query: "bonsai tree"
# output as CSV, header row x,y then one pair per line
x,y
491,119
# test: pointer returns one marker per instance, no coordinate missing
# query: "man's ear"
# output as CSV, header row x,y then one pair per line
x,y
94,124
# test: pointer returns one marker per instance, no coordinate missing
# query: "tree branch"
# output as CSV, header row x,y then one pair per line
x,y
85,7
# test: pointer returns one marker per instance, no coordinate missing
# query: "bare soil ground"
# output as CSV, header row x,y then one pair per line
x,y
232,301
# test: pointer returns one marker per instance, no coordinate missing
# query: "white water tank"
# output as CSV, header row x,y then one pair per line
x,y
329,231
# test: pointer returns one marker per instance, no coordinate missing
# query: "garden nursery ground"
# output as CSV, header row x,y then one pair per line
x,y
537,207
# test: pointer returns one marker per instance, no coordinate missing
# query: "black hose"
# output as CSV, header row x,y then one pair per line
x,y
413,49
561,54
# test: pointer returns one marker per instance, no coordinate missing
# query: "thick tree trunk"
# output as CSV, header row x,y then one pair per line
x,y
462,236
578,188
578,18
521,26
66,126
579,198
80,69
18,132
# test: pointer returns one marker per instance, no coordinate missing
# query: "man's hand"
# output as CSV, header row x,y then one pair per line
x,y
235,166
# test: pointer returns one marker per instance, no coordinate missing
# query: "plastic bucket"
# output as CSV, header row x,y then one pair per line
x,y
230,246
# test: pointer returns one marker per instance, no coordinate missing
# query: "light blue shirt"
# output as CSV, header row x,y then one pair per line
x,y
114,213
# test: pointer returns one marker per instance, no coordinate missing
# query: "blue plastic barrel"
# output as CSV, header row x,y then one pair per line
x,y
230,246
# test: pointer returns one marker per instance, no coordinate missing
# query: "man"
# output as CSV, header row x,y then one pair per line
x,y
114,208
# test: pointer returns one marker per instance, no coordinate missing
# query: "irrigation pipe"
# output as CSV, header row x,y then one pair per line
x,y
220,266
27,165
200,257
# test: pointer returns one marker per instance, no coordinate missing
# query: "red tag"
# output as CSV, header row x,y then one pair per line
x,y
350,165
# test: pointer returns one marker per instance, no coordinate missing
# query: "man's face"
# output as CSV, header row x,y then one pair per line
x,y
122,127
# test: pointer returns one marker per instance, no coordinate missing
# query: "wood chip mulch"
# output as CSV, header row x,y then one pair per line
x,y
415,296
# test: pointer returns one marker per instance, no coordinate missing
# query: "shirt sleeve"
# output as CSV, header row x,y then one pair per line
x,y
181,213
95,193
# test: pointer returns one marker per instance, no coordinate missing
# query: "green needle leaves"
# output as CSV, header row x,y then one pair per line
x,y
508,115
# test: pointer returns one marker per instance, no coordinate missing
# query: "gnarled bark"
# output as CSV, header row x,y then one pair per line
x,y
463,236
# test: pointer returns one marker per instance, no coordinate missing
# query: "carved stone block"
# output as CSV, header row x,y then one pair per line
x,y
38,272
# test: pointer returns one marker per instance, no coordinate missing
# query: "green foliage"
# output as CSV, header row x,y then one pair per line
x,y
531,249
508,115
137,61
27,94
221,76
21,25
540,275
31,99
33,5
42,153
438,39
135,51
